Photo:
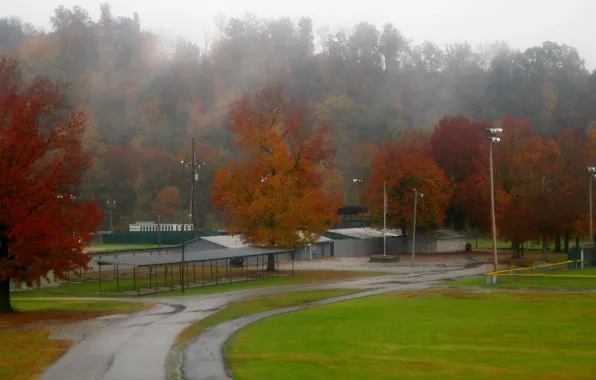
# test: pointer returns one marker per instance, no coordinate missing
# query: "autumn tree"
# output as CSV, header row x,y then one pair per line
x,y
274,194
43,226
167,204
536,186
455,145
404,166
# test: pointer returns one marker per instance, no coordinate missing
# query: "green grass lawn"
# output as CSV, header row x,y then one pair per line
x,y
109,287
26,350
241,309
425,335
486,243
570,279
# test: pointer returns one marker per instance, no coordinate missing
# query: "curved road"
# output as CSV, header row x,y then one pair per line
x,y
136,347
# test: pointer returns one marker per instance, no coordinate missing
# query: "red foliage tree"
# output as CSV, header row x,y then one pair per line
x,y
455,144
537,189
405,166
43,227
274,195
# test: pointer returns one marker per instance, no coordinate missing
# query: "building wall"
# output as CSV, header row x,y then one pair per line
x,y
431,245
366,247
451,245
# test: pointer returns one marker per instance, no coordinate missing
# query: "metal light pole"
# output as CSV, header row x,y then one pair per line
x,y
492,134
592,174
111,204
414,224
159,230
357,180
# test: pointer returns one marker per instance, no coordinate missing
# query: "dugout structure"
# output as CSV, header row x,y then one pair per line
x,y
145,273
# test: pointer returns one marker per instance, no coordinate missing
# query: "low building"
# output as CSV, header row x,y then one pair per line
x,y
438,242
322,248
365,241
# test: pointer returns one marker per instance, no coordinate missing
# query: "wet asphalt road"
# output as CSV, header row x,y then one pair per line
x,y
136,347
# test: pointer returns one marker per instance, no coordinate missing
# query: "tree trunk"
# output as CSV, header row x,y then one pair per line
x,y
558,243
516,251
577,242
271,263
566,242
5,306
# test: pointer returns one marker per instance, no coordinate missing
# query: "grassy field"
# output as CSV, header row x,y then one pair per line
x,y
241,309
26,350
486,243
109,287
425,335
560,279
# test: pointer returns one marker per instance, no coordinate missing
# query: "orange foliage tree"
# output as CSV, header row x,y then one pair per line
x,y
274,195
43,227
404,166
167,204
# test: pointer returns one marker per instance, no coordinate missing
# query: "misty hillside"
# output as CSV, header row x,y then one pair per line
x,y
145,96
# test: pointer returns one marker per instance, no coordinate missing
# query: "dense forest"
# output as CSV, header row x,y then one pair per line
x,y
146,97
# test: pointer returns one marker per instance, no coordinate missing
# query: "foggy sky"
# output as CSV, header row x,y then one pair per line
x,y
521,23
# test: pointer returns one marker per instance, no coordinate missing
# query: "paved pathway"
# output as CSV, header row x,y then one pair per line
x,y
136,347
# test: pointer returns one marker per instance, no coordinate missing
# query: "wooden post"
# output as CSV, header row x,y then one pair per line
x,y
134,278
117,279
99,279
203,272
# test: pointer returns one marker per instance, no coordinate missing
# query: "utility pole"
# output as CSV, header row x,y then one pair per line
x,y
182,247
414,224
385,218
192,191
592,173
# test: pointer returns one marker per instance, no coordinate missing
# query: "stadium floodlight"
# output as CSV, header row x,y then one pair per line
x,y
492,136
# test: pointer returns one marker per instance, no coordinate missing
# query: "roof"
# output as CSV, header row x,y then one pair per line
x,y
448,233
351,210
235,241
227,241
364,233
193,256
441,234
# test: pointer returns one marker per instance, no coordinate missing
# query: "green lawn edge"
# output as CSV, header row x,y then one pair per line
x,y
239,310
